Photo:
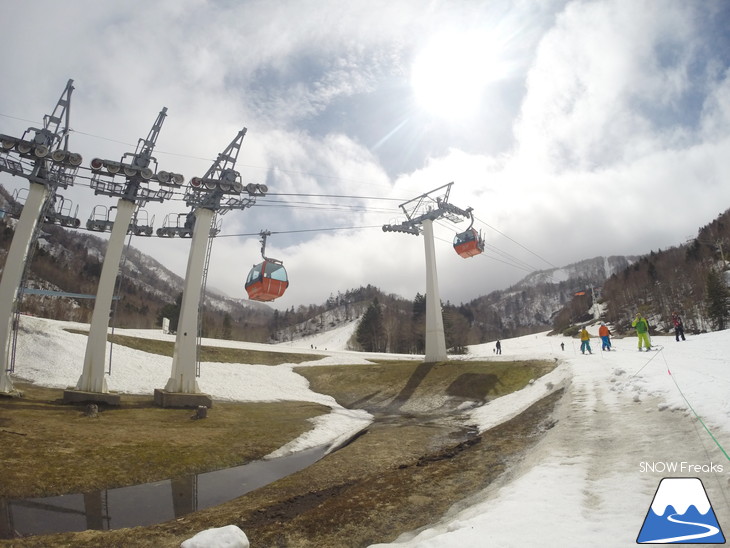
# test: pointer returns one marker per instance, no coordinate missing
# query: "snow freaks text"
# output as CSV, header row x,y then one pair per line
x,y
680,467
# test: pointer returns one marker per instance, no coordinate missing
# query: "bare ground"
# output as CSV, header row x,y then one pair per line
x,y
403,473
391,480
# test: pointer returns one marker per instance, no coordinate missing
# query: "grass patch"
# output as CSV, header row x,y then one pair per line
x,y
210,353
49,448
384,382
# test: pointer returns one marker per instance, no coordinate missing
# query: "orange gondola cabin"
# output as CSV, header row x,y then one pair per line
x,y
468,243
267,281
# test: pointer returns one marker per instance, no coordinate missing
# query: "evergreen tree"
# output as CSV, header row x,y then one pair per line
x,y
717,299
227,325
370,332
171,312
456,329
418,321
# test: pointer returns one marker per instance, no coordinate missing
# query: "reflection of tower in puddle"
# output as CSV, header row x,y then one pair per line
x,y
95,506
184,495
7,530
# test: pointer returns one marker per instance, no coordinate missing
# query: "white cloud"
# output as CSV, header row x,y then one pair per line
x,y
610,118
599,79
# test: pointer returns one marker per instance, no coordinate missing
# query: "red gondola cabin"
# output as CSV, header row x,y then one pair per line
x,y
469,243
267,281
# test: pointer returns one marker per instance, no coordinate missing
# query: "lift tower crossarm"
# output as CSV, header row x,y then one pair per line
x,y
227,159
137,172
427,207
221,180
146,146
142,158
60,114
41,159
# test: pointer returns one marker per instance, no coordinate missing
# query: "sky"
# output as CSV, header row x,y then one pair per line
x,y
572,128
626,421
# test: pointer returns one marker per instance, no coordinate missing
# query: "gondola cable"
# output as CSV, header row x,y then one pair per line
x,y
517,243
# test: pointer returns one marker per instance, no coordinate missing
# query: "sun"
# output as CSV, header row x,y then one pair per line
x,y
449,75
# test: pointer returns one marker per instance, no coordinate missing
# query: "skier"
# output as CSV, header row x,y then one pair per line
x,y
585,341
498,347
678,326
642,331
605,335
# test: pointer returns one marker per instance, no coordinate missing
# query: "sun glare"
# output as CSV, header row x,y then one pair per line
x,y
450,74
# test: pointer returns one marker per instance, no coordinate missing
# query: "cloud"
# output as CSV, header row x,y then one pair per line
x,y
592,74
608,119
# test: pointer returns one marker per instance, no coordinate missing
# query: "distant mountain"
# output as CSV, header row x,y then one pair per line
x,y
532,304
591,271
690,279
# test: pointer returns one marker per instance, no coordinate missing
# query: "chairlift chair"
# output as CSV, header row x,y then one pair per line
x,y
267,280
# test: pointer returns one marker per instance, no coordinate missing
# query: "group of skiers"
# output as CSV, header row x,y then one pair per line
x,y
642,332
585,339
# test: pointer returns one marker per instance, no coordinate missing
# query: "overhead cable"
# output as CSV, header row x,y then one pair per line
x,y
516,242
298,231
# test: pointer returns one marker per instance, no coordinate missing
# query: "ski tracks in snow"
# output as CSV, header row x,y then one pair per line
x,y
622,442
590,474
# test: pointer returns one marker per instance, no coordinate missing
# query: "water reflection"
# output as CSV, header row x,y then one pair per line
x,y
145,504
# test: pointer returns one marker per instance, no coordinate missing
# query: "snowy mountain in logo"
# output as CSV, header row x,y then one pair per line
x,y
681,513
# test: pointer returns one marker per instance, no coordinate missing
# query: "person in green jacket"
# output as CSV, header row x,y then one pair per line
x,y
642,331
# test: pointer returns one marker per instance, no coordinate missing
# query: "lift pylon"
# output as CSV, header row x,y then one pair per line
x,y
42,157
218,191
138,169
420,214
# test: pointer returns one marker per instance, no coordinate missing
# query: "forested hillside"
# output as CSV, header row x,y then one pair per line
x,y
689,279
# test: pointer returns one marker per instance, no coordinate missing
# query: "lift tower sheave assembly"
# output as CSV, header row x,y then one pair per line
x,y
420,214
42,157
219,191
139,170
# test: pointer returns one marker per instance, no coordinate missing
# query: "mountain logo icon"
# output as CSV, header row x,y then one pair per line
x,y
680,513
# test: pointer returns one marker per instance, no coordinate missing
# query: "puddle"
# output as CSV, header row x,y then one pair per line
x,y
145,504
158,502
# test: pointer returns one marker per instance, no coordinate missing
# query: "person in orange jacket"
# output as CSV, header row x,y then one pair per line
x,y
605,335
